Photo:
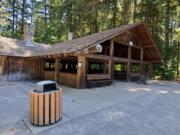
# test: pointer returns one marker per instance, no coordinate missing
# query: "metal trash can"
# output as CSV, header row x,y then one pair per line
x,y
45,103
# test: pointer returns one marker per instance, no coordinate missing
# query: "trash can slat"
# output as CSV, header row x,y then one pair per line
x,y
60,105
57,105
35,105
41,109
31,108
52,112
47,108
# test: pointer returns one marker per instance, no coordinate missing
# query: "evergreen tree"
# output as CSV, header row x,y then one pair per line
x,y
53,19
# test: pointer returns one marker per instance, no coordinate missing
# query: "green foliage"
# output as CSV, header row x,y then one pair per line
x,y
118,67
135,68
168,74
53,19
164,73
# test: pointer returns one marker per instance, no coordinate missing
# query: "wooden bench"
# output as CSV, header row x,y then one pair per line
x,y
98,80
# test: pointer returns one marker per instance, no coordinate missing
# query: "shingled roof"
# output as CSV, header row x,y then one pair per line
x,y
14,47
87,41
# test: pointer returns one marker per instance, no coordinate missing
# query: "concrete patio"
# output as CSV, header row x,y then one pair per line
x,y
120,109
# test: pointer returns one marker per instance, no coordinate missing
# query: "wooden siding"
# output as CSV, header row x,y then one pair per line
x,y
68,79
49,75
64,78
18,68
1,65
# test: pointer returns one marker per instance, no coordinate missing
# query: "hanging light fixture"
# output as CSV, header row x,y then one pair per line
x,y
131,43
99,48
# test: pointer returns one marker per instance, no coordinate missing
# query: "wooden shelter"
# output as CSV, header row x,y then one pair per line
x,y
124,53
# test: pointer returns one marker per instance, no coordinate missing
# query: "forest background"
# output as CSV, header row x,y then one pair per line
x,y
53,19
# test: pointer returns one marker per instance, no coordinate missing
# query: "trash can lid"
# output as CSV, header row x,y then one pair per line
x,y
46,86
45,82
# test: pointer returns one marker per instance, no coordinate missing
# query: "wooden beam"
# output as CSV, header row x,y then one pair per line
x,y
147,46
81,72
129,64
123,43
42,67
154,61
57,68
106,58
150,70
96,56
150,36
111,48
141,62
118,59
4,64
111,62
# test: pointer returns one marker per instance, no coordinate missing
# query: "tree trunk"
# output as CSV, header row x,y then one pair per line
x,y
45,16
114,12
125,9
13,17
134,12
23,16
167,29
178,59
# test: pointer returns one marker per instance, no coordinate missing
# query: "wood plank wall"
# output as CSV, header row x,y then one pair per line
x,y
68,79
49,75
18,68
1,66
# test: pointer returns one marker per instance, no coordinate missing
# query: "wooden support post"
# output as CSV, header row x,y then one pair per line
x,y
105,67
111,48
57,63
110,70
6,68
111,62
81,72
150,70
3,64
141,62
129,64
30,68
42,68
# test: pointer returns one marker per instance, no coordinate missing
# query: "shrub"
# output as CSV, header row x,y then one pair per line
x,y
168,74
